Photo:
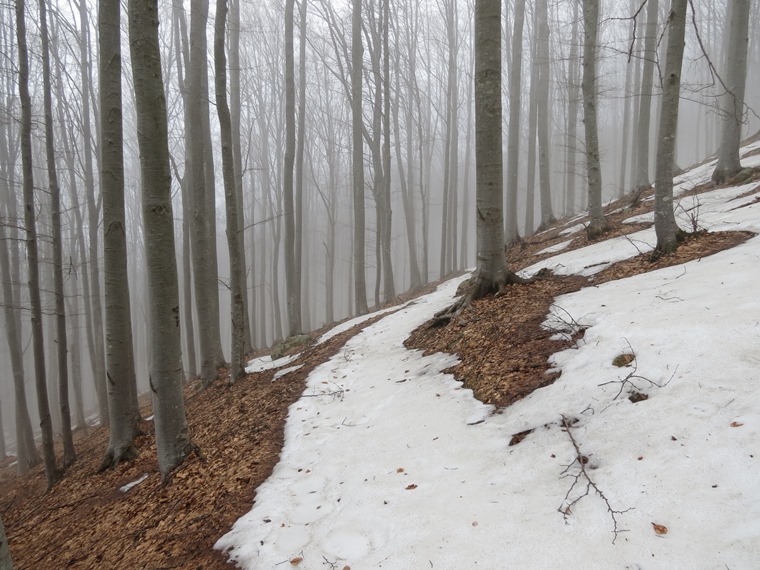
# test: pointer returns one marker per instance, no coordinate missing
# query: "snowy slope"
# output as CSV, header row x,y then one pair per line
x,y
389,463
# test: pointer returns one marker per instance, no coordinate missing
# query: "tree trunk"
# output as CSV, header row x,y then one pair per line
x,y
300,280
532,127
544,73
389,287
291,274
6,562
664,219
172,438
195,169
645,104
572,117
48,454
62,345
237,308
120,366
491,270
628,94
513,144
597,224
360,286
732,103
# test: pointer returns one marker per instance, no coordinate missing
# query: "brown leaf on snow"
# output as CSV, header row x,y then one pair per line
x,y
660,529
296,561
736,424
400,470
346,568
411,487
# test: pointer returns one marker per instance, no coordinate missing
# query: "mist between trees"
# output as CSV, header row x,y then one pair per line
x,y
334,141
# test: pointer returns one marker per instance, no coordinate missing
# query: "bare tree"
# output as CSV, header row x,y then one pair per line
x,y
597,224
360,286
6,562
237,309
172,437
732,104
513,144
645,100
664,219
120,366
62,345
544,71
30,221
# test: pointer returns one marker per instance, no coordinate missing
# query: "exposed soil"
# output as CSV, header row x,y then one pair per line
x,y
87,522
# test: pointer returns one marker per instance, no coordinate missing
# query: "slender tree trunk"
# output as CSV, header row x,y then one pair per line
x,y
30,214
389,287
544,73
625,135
237,157
664,219
95,299
358,158
572,116
62,345
120,365
299,177
645,106
195,169
172,437
513,144
237,308
532,127
597,224
291,274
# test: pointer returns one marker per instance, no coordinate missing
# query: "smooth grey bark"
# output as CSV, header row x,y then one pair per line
x,y
301,279
532,127
293,302
664,219
451,139
195,173
542,95
597,224
182,50
30,222
625,135
93,220
172,437
389,287
120,366
732,102
237,159
513,143
237,307
645,101
491,263
360,287
636,108
62,345
572,117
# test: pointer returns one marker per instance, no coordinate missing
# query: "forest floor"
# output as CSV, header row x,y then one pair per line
x,y
87,521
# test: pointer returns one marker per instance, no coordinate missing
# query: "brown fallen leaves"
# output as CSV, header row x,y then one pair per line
x,y
659,529
86,522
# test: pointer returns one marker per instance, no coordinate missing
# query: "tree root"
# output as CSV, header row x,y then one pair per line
x,y
477,289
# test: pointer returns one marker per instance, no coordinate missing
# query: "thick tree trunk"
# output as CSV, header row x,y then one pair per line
x,y
664,219
172,437
120,366
6,562
732,103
